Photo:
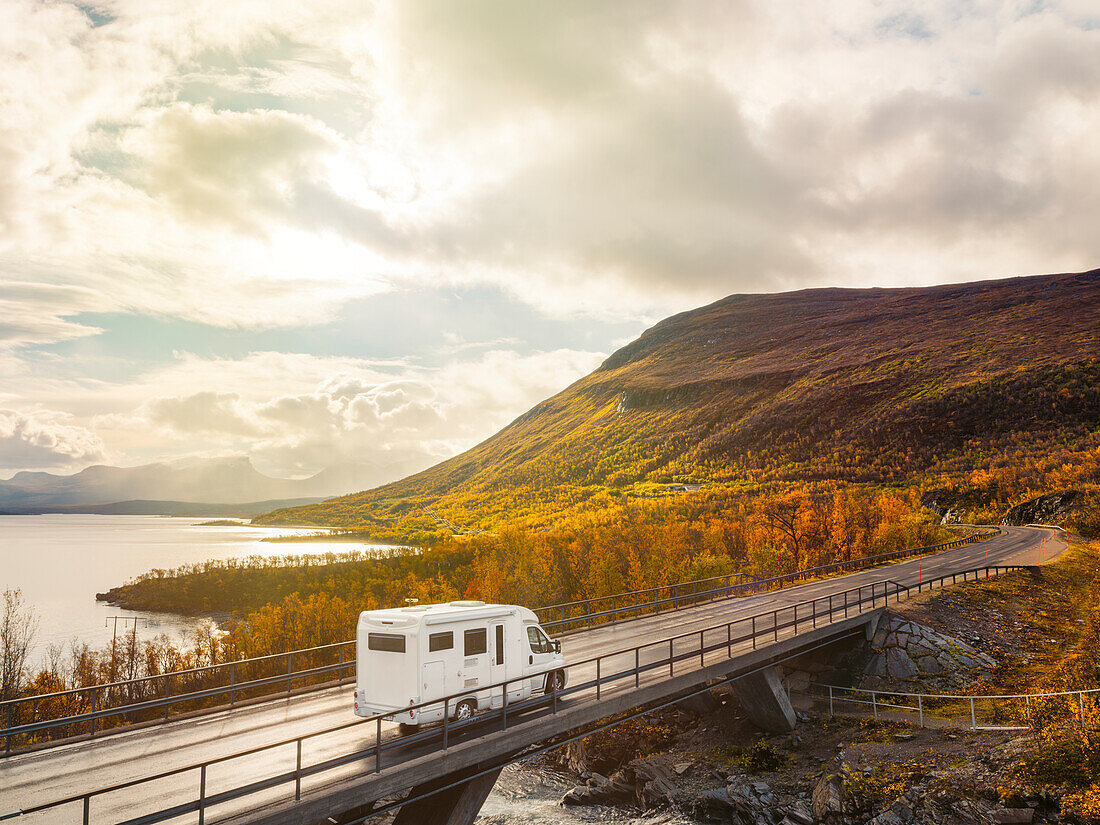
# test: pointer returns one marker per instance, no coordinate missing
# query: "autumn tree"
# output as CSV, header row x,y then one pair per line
x,y
18,626
791,519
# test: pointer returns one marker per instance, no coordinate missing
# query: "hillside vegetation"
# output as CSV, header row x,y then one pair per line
x,y
988,392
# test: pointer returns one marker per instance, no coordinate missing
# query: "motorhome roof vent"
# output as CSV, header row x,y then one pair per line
x,y
467,603
413,609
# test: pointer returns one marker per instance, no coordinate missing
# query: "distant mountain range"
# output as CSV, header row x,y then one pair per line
x,y
226,486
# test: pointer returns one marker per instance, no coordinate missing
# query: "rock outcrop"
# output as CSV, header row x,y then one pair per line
x,y
904,651
644,783
1049,509
741,802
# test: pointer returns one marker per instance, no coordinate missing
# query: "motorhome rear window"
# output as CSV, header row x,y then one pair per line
x,y
389,642
441,641
475,641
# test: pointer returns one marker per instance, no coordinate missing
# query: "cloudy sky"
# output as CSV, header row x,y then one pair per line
x,y
309,232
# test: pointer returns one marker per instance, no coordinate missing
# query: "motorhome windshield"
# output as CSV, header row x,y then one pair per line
x,y
538,641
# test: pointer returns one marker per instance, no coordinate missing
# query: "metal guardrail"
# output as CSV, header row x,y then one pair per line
x,y
137,693
1008,706
619,605
768,625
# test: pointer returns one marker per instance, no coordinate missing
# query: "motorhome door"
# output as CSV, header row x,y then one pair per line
x,y
540,654
432,688
498,668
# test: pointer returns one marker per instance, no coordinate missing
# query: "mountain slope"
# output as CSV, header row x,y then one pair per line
x,y
866,386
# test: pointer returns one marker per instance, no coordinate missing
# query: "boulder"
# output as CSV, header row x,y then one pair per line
x,y
653,786
829,797
800,814
887,817
580,795
713,806
1014,816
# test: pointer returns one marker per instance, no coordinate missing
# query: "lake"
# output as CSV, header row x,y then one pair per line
x,y
61,561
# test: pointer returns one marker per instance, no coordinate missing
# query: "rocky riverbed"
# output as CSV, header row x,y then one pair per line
x,y
717,769
704,760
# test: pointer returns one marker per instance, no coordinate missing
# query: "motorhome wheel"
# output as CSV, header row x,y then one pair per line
x,y
464,710
555,682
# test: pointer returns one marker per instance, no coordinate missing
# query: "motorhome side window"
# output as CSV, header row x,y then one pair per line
x,y
476,641
389,642
539,643
441,641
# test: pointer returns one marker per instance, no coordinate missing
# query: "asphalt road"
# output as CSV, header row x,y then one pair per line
x,y
66,770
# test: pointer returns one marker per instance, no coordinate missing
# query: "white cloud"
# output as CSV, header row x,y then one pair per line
x,y
45,439
297,414
257,164
214,161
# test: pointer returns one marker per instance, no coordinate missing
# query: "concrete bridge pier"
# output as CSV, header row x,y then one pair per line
x,y
764,701
455,806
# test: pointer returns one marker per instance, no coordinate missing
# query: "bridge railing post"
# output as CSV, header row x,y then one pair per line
x,y
446,719
597,679
920,709
232,681
298,772
202,794
670,657
830,700
167,693
637,666
973,716
378,745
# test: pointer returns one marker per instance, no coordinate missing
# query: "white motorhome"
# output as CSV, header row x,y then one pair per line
x,y
409,655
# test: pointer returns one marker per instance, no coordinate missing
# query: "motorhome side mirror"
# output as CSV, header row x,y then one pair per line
x,y
557,645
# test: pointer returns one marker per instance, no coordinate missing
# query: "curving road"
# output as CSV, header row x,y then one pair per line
x,y
66,770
